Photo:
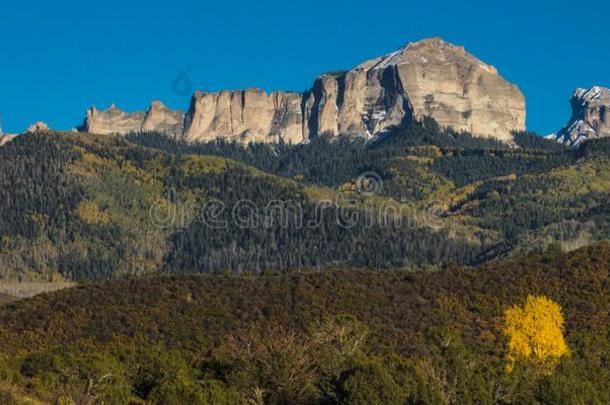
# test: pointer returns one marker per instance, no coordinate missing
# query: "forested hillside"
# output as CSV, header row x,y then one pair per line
x,y
333,336
334,272
82,207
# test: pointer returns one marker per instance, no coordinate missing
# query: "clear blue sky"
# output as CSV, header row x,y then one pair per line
x,y
58,58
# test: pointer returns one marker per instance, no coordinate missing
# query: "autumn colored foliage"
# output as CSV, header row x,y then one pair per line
x,y
535,332
321,337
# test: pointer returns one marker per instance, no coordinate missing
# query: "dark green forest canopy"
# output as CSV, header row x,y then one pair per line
x,y
332,162
78,206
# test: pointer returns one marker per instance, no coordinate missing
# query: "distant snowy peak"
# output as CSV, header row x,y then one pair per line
x,y
590,117
595,94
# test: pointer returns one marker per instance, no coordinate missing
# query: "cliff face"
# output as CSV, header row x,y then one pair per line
x,y
114,121
430,78
356,102
161,119
250,115
590,117
446,83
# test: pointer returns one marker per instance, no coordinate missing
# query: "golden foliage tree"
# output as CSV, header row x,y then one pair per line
x,y
535,332
91,214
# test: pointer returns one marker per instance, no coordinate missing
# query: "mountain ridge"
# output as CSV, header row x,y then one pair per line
x,y
428,78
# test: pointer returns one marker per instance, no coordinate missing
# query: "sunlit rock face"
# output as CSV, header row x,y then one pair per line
x,y
6,138
112,121
429,78
38,126
157,118
248,115
161,119
590,117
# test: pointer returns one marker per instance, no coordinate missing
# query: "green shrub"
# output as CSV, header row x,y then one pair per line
x,y
369,384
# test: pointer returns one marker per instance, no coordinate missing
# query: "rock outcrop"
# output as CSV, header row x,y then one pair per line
x,y
6,138
429,78
157,118
590,117
249,115
37,127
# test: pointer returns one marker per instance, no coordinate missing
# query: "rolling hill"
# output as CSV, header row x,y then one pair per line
x,y
416,337
87,207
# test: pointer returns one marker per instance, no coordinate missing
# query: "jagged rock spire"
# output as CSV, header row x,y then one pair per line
x,y
590,116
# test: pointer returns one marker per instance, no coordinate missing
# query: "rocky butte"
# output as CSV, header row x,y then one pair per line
x,y
114,121
590,117
429,78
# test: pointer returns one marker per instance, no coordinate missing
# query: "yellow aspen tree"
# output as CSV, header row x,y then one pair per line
x,y
91,214
535,332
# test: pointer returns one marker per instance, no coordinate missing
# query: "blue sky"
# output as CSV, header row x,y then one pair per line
x,y
58,58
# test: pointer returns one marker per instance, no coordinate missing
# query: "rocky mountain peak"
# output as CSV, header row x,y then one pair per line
x,y
590,116
427,78
594,95
426,51
157,105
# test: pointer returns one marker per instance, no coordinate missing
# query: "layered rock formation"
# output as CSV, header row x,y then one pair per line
x,y
429,78
114,121
250,115
159,118
590,117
